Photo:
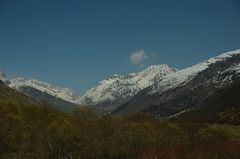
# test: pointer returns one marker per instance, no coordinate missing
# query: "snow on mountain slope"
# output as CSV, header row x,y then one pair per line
x,y
118,87
188,88
234,68
183,76
62,93
3,76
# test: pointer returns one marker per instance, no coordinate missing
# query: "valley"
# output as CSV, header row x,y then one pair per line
x,y
119,79
160,112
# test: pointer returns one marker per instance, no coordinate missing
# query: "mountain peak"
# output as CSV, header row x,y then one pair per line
x,y
183,76
164,67
158,66
117,89
62,93
114,76
191,88
2,74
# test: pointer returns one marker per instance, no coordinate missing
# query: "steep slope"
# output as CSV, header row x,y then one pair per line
x,y
186,89
8,95
42,92
46,99
222,107
3,76
62,93
117,89
182,77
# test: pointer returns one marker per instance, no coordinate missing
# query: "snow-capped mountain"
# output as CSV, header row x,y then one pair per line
x,y
3,76
187,88
42,92
118,89
65,94
183,76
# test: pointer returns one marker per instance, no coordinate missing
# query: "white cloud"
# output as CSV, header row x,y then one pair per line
x,y
138,56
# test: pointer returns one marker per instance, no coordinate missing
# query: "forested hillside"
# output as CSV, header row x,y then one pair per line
x,y
29,130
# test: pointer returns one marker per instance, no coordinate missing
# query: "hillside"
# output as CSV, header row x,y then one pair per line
x,y
42,92
118,89
222,107
33,131
10,95
187,89
65,94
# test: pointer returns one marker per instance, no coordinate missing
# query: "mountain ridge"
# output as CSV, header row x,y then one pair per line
x,y
153,89
117,89
166,98
43,92
62,93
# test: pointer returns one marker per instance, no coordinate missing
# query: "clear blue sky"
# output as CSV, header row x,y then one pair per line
x,y
78,43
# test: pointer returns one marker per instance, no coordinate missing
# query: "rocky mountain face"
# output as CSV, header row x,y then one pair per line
x,y
118,89
65,94
188,89
3,76
47,99
221,107
42,92
11,96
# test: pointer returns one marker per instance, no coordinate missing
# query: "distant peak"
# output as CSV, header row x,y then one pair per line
x,y
160,67
2,74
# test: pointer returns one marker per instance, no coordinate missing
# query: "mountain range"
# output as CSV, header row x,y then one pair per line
x,y
159,89
62,98
190,89
118,89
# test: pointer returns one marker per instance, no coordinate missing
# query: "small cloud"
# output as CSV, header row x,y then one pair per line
x,y
138,56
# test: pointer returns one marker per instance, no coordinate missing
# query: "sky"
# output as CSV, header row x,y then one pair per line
x,y
77,43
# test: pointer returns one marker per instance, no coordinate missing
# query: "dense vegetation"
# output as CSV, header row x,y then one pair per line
x,y
40,133
31,131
